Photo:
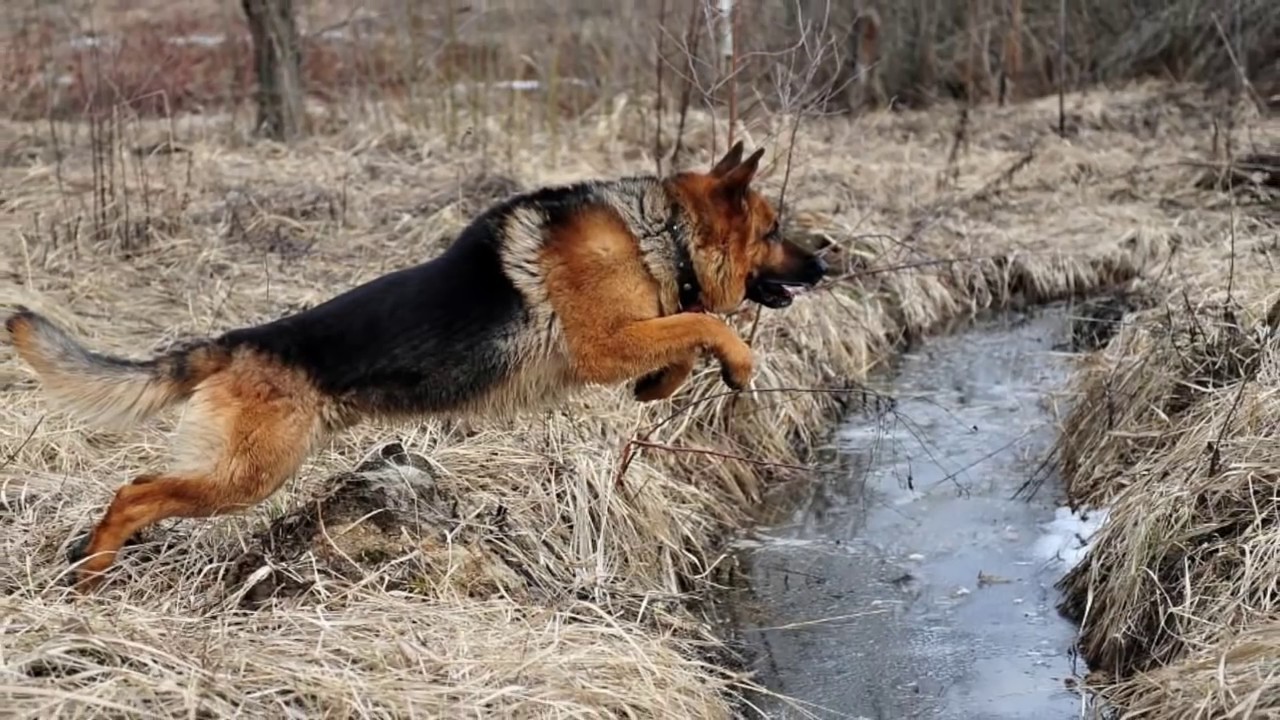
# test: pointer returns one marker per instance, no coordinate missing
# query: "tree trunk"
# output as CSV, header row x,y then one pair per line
x,y
277,63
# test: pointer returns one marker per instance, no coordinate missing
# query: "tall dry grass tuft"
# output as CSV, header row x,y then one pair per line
x,y
1237,675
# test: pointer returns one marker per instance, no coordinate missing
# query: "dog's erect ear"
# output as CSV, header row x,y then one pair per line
x,y
735,182
729,161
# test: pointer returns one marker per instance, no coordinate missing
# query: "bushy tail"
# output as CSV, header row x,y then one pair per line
x,y
103,390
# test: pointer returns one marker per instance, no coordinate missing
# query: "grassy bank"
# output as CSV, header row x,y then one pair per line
x,y
506,571
1176,433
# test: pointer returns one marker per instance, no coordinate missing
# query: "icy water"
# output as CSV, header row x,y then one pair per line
x,y
915,584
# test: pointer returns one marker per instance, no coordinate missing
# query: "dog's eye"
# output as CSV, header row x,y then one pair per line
x,y
774,234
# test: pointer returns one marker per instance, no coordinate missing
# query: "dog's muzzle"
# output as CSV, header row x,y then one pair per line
x,y
776,290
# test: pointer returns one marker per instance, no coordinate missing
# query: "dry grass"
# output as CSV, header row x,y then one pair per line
x,y
1175,431
507,573
1236,676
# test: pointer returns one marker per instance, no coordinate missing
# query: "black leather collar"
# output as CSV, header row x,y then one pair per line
x,y
690,292
676,230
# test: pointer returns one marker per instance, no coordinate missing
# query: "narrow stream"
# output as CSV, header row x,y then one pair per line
x,y
914,584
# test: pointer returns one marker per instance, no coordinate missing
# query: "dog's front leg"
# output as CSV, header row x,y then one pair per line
x,y
645,347
663,383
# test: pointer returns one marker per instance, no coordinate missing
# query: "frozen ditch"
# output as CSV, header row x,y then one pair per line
x,y
914,583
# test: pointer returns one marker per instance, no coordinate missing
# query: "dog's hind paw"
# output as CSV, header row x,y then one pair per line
x,y
79,548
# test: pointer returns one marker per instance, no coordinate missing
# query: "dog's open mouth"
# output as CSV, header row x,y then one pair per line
x,y
775,294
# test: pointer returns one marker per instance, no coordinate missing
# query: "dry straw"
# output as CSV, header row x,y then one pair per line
x,y
1175,430
509,573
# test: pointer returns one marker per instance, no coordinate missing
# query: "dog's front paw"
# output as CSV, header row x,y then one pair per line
x,y
737,374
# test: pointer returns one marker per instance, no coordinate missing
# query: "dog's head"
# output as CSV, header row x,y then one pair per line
x,y
737,247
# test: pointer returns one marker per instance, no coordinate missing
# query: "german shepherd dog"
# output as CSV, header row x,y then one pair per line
x,y
600,282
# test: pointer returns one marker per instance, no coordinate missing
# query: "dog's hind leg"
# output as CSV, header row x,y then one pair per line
x,y
247,431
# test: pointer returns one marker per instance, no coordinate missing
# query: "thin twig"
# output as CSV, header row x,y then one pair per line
x,y
919,264
786,173
658,106
782,199
1062,68
22,444
800,109
733,68
628,448
1243,83
1242,75
692,37
1215,457
721,455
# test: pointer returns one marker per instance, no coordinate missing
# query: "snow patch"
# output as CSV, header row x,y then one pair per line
x,y
1068,537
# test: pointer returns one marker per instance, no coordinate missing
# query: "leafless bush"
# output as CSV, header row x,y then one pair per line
x,y
553,60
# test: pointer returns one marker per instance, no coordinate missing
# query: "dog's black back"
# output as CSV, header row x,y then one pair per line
x,y
421,339
427,338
